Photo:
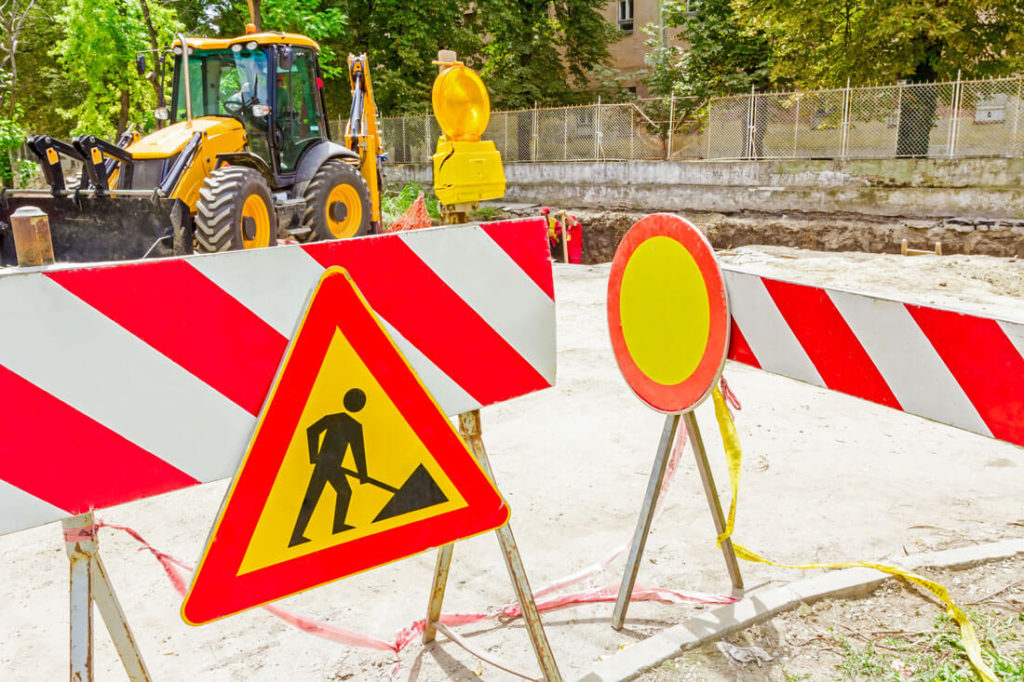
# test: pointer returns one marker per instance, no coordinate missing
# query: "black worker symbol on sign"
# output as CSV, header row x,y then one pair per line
x,y
330,438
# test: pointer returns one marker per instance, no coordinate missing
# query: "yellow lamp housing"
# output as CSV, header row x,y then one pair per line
x,y
466,168
465,172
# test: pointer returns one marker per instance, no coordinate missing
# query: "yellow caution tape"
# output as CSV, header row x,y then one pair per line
x,y
734,456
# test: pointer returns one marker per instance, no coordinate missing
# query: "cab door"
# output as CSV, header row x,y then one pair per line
x,y
299,118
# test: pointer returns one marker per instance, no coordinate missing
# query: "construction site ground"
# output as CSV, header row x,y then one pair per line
x,y
825,478
897,632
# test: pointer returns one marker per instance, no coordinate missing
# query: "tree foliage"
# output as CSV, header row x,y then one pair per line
x,y
101,39
542,52
722,56
824,42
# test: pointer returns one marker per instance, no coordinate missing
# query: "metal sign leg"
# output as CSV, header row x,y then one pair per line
x,y
469,428
444,563
643,524
90,583
79,554
714,504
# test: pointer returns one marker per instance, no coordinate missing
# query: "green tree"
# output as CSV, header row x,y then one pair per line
x,y
101,39
542,52
821,43
401,40
313,18
827,43
722,57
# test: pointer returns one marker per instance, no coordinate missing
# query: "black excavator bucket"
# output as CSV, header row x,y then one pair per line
x,y
86,226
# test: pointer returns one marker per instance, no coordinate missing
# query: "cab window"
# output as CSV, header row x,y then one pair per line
x,y
299,118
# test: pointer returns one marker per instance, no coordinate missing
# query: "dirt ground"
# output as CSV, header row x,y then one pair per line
x,y
896,633
826,478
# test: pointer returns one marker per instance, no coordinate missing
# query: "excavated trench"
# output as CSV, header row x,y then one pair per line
x,y
603,230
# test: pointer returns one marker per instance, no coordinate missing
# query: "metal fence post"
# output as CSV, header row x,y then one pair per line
x,y
749,151
707,128
535,147
1016,117
565,134
846,122
632,134
899,119
597,130
796,124
405,146
954,124
671,126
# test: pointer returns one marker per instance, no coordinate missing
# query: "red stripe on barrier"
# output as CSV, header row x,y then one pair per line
x,y
403,290
829,342
530,254
985,363
189,319
65,458
739,349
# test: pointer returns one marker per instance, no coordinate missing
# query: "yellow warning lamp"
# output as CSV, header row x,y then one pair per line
x,y
461,104
466,168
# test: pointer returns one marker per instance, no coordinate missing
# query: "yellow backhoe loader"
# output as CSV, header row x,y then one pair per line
x,y
247,159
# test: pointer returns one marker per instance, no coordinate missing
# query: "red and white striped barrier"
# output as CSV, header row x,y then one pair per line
x,y
952,367
122,381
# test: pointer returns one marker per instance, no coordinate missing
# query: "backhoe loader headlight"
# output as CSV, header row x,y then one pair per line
x,y
260,110
161,114
461,104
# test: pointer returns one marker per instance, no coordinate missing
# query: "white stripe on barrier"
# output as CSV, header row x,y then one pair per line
x,y
19,509
278,295
448,394
109,375
504,308
911,367
1016,334
766,331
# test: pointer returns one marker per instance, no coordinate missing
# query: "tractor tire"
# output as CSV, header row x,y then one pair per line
x,y
337,203
235,211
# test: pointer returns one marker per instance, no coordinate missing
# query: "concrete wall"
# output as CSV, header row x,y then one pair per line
x,y
924,188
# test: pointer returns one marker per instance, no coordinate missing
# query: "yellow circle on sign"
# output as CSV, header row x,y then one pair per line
x,y
664,310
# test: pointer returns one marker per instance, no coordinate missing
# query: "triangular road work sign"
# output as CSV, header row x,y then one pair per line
x,y
352,465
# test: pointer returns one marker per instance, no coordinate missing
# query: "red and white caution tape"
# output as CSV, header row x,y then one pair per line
x,y
173,567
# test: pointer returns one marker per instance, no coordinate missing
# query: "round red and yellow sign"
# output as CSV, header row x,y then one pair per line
x,y
668,314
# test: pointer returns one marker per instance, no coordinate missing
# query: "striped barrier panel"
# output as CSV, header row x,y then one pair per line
x,y
952,367
121,381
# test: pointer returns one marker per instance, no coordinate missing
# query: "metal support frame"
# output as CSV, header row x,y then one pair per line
x,y
643,524
469,429
711,492
91,584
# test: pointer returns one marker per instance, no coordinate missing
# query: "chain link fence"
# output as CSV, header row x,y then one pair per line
x,y
926,120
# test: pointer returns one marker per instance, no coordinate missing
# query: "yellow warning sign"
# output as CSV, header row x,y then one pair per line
x,y
352,465
352,452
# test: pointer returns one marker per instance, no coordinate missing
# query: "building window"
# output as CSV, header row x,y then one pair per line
x,y
626,16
